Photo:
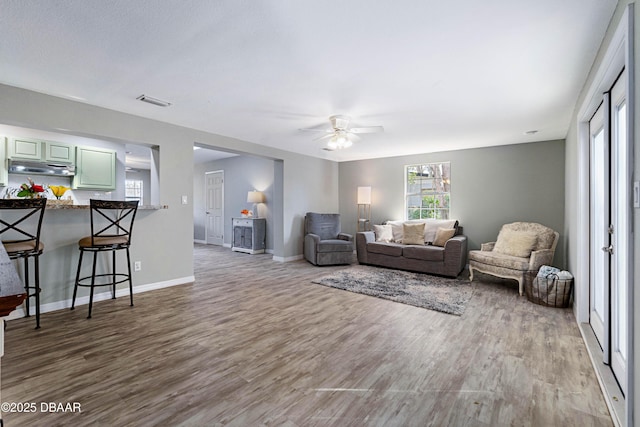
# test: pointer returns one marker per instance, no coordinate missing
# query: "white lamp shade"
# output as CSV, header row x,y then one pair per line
x,y
364,195
255,197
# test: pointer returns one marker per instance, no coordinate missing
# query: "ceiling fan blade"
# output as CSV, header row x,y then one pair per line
x,y
367,129
316,130
353,137
320,138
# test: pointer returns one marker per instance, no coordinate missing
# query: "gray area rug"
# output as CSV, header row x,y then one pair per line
x,y
421,290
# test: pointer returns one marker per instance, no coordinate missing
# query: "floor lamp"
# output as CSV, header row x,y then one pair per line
x,y
364,208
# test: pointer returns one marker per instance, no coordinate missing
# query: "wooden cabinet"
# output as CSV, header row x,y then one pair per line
x,y
249,235
35,149
4,178
95,169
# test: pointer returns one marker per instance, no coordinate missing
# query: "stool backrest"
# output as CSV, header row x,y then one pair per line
x,y
21,219
112,218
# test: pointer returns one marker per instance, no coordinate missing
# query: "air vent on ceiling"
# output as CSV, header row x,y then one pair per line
x,y
154,101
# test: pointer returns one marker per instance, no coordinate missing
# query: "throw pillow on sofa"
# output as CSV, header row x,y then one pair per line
x,y
442,235
515,243
430,227
383,233
413,234
396,230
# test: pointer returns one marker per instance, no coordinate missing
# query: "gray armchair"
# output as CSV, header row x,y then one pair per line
x,y
324,244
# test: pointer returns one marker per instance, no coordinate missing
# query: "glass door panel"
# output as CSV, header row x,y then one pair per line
x,y
599,217
620,201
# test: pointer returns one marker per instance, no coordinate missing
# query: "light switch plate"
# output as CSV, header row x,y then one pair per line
x,y
184,200
636,194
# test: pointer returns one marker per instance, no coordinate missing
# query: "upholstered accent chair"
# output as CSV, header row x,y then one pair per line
x,y
521,248
324,243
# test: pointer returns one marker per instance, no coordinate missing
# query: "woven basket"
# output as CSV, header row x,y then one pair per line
x,y
549,291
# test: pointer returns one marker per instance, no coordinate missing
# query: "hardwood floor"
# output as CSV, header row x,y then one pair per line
x,y
254,342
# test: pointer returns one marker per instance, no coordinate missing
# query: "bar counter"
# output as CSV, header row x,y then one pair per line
x,y
63,225
72,206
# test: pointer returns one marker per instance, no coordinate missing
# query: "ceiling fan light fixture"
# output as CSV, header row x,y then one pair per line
x,y
339,141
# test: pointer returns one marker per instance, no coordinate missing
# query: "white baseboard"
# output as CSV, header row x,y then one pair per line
x,y
203,242
288,259
59,305
226,245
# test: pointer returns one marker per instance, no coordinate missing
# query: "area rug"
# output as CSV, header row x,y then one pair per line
x,y
421,290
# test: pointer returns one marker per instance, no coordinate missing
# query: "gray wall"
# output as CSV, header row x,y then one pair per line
x,y
489,187
304,184
241,174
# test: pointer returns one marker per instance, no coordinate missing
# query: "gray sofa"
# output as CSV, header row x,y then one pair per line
x,y
449,260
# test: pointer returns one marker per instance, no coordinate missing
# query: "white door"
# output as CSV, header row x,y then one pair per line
x,y
621,221
599,218
610,228
214,205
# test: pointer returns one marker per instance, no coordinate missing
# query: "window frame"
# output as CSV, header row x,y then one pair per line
x,y
435,197
139,189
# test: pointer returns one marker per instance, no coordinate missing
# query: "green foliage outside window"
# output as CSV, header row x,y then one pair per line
x,y
428,191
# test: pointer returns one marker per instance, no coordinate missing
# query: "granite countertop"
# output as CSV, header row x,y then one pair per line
x,y
81,207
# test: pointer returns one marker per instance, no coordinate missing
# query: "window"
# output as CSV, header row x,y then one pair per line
x,y
133,190
428,190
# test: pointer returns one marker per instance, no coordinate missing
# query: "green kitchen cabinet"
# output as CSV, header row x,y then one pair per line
x,y
4,178
25,148
95,169
60,153
38,150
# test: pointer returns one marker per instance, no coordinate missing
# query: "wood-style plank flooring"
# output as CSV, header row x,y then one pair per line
x,y
254,342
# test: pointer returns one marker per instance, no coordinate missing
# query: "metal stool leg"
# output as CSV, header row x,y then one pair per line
x,y
37,289
26,286
130,277
75,288
113,291
93,283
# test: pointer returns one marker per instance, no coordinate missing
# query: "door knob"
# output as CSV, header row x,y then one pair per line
x,y
608,249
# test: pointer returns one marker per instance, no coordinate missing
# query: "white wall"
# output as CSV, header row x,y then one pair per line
x,y
575,187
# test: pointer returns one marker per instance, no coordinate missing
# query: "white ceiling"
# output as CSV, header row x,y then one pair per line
x,y
437,75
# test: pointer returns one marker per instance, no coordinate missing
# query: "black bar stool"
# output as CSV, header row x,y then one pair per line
x,y
21,239
111,225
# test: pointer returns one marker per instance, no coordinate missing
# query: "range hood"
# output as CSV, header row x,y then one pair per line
x,y
41,168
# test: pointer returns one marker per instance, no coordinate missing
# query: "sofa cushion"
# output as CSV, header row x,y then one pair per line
x,y
442,235
383,233
499,260
515,243
413,234
396,230
546,236
427,253
430,227
334,245
391,249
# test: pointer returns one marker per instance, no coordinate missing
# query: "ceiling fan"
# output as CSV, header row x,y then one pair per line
x,y
340,135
